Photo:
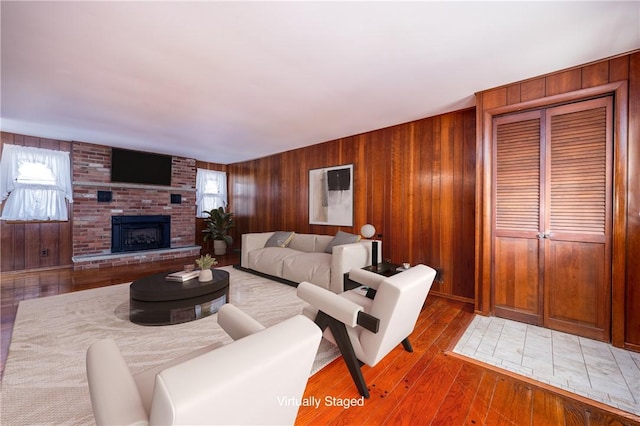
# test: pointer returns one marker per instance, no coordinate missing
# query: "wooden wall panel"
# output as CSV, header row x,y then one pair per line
x,y
563,82
549,89
595,74
22,243
532,89
414,182
632,291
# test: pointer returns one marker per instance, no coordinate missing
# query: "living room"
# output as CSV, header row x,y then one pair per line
x,y
422,183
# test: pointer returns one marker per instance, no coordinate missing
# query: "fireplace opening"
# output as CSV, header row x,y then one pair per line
x,y
138,233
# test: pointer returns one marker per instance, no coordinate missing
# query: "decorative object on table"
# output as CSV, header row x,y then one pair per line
x,y
219,223
369,231
406,265
189,268
183,276
331,196
205,263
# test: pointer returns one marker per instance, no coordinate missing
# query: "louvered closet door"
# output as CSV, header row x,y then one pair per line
x,y
577,228
517,291
552,217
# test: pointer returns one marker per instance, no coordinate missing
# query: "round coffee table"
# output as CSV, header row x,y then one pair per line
x,y
154,300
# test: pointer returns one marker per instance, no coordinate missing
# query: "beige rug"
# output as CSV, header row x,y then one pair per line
x,y
45,379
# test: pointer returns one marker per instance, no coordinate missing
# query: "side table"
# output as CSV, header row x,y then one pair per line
x,y
385,268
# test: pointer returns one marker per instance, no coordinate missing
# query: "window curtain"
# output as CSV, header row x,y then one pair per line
x,y
211,191
33,199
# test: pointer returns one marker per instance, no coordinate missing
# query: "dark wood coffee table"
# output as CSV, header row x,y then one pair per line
x,y
154,300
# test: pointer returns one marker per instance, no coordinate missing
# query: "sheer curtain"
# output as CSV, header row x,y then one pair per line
x,y
35,182
211,190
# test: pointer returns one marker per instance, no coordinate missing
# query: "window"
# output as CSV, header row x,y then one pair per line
x,y
211,191
34,183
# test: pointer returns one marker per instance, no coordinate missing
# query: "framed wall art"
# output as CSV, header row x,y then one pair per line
x,y
331,196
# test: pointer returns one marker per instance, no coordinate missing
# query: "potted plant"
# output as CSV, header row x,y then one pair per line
x,y
205,263
219,223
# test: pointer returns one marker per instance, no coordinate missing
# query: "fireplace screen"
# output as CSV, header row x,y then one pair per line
x,y
144,236
138,233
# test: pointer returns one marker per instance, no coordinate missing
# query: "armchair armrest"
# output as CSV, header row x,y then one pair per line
x,y
337,307
366,278
113,390
330,303
237,323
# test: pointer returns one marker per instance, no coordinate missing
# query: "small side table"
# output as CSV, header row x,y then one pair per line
x,y
386,269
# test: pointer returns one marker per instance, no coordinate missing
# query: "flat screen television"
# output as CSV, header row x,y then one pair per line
x,y
129,166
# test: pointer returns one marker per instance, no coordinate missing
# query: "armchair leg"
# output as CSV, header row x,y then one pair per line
x,y
339,331
406,344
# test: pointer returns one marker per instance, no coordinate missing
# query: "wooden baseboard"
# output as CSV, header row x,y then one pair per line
x,y
28,271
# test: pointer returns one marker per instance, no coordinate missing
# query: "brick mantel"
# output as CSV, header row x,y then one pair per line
x,y
92,219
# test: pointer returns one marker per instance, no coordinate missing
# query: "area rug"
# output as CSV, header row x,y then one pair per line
x,y
581,366
45,378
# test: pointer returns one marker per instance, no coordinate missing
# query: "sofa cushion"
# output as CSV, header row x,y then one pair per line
x,y
312,267
279,239
269,260
303,242
322,241
342,238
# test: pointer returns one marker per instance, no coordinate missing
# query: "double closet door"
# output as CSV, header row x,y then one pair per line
x,y
552,217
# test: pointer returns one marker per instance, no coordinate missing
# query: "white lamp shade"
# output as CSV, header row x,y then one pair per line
x,y
367,230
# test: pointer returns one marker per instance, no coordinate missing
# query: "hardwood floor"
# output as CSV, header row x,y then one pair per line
x,y
428,386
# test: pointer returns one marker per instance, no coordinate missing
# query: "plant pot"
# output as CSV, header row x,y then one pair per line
x,y
205,275
219,247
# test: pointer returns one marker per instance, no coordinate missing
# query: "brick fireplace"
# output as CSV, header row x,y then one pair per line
x,y
92,218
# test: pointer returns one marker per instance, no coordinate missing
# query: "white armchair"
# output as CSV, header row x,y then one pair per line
x,y
367,328
249,381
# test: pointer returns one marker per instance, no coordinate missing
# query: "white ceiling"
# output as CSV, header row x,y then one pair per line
x,y
231,81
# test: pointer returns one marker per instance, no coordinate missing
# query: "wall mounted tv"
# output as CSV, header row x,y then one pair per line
x,y
140,167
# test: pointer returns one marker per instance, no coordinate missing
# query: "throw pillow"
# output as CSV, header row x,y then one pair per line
x,y
341,238
279,239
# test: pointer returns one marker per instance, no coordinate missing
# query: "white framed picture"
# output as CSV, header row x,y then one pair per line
x,y
331,196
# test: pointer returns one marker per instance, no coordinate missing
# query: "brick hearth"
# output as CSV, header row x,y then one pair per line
x,y
134,258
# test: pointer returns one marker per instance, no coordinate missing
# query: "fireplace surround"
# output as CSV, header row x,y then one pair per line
x,y
139,233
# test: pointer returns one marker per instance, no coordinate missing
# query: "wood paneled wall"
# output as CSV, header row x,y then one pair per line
x,y
621,76
35,245
414,182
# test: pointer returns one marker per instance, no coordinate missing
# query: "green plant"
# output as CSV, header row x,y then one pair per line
x,y
206,262
219,223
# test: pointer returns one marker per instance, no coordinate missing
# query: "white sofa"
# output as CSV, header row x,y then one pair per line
x,y
304,258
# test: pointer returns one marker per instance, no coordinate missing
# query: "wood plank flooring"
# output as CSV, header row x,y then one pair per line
x,y
428,386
